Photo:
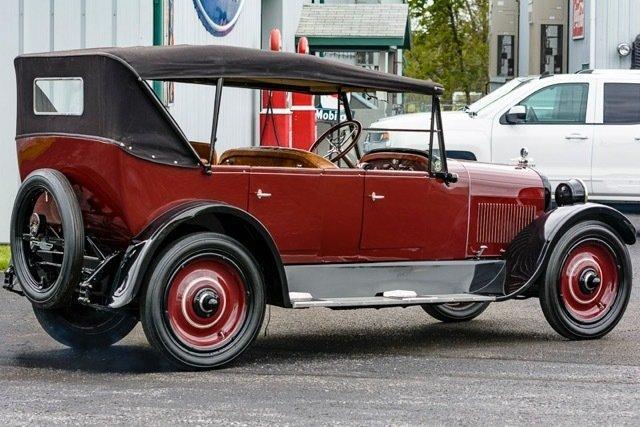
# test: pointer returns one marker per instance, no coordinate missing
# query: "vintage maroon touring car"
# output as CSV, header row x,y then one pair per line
x,y
121,218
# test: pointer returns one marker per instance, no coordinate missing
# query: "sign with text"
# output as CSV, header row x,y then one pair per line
x,y
577,26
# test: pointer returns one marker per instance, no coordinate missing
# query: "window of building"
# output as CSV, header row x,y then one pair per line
x,y
551,49
561,103
58,96
621,103
505,55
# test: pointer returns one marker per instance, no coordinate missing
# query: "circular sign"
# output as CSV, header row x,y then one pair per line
x,y
218,16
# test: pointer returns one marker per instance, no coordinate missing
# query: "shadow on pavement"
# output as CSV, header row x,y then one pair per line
x,y
116,359
290,348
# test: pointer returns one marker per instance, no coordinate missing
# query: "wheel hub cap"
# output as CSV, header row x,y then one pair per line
x,y
589,281
206,304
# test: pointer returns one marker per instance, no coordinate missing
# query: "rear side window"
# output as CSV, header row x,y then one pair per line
x,y
58,96
621,103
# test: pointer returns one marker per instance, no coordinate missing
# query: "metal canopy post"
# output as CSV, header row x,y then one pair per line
x,y
349,114
214,124
347,107
443,154
431,130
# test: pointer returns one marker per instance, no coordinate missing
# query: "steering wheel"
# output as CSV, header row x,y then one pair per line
x,y
341,139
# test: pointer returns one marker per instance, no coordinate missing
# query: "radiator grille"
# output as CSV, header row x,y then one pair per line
x,y
500,222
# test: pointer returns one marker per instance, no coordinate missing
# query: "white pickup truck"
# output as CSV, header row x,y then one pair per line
x,y
584,125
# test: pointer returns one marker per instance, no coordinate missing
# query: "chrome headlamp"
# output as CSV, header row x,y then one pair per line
x,y
571,192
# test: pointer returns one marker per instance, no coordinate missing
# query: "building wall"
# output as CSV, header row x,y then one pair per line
x,y
503,21
616,21
579,48
28,26
539,13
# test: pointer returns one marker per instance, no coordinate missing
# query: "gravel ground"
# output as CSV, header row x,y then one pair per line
x,y
390,366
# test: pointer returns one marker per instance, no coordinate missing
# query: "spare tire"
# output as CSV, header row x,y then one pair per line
x,y
47,239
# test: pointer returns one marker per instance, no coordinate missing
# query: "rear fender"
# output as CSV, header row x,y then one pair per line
x,y
527,256
193,217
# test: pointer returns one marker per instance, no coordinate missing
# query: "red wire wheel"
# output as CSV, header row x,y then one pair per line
x,y
589,281
206,303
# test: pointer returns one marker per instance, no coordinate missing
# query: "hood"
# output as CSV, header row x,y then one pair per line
x,y
450,119
503,182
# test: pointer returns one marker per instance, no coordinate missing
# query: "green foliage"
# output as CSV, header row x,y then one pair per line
x,y
450,44
5,255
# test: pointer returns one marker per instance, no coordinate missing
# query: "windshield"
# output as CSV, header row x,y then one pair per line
x,y
506,88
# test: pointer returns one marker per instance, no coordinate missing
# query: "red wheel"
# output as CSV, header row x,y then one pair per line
x,y
206,303
589,281
587,284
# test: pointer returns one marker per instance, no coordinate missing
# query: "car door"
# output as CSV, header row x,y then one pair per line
x,y
616,150
557,132
288,202
394,213
409,215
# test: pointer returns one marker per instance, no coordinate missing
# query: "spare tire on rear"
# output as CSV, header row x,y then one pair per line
x,y
47,239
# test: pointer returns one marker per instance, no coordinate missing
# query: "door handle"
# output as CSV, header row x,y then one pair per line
x,y
637,138
375,196
576,136
262,195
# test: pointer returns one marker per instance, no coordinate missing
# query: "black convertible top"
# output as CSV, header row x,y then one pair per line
x,y
251,68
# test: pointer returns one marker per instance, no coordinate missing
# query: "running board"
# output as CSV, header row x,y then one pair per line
x,y
305,300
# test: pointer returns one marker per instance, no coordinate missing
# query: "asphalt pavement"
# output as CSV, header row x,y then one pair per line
x,y
317,366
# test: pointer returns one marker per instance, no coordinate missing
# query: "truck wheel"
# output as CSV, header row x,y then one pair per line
x,y
47,239
205,301
588,282
82,327
455,312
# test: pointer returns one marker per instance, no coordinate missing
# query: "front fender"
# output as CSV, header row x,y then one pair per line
x,y
527,256
146,246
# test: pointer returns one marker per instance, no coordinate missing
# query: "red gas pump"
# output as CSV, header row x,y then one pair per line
x,y
275,116
303,111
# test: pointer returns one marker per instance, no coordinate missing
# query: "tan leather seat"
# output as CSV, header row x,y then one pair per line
x,y
275,157
202,148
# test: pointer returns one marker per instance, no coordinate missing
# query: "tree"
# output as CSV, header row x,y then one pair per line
x,y
450,44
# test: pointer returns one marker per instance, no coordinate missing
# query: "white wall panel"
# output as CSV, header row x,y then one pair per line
x,y
99,23
67,24
616,21
134,23
36,26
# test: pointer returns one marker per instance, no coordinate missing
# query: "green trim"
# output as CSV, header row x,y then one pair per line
x,y
344,43
158,38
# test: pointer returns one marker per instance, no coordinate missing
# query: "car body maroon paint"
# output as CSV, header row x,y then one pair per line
x,y
314,215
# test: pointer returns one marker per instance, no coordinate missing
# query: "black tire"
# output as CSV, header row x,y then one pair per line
x,y
159,318
559,309
82,327
59,292
455,312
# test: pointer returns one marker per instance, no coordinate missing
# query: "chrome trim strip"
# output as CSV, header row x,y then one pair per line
x,y
388,301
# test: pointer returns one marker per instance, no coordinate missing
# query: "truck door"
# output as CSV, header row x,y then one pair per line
x,y
616,150
558,132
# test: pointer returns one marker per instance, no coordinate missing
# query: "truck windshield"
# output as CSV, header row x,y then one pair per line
x,y
503,90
